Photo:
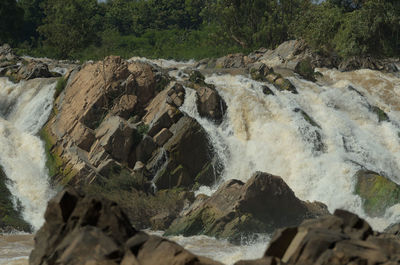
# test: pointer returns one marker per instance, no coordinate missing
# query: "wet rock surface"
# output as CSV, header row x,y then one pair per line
x,y
238,209
343,238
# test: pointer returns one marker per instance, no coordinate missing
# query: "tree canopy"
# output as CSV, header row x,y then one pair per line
x,y
184,29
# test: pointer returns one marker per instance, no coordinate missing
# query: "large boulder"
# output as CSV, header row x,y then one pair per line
x,y
209,103
190,157
82,230
340,239
33,70
240,209
377,192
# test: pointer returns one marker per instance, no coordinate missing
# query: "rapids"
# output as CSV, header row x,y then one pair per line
x,y
260,132
24,109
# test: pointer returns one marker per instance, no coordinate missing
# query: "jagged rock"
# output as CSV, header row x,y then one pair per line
x,y
210,104
145,148
305,69
116,136
189,154
33,70
340,239
163,121
125,106
378,192
237,60
82,230
237,209
284,84
258,71
162,137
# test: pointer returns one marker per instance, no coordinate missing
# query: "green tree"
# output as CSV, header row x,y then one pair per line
x,y
10,20
70,25
33,16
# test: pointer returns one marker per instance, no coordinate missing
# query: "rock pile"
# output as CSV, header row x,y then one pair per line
x,y
82,230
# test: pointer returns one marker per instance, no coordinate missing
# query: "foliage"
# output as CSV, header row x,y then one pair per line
x,y
9,216
10,20
69,25
195,29
60,86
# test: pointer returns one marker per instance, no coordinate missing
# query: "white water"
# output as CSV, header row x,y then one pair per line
x,y
264,133
24,108
259,133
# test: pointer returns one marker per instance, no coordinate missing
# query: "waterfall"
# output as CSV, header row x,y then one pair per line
x,y
315,140
24,109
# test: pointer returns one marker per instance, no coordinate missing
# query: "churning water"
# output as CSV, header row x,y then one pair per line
x,y
315,140
24,108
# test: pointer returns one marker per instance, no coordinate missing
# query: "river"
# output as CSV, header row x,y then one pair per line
x,y
260,132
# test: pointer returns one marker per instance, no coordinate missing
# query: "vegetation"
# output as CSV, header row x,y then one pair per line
x,y
185,29
9,217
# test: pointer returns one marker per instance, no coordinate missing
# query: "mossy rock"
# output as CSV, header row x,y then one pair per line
x,y
10,218
305,69
196,77
377,192
285,85
382,116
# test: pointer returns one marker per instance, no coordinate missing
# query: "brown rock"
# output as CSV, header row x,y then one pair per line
x,y
237,209
116,136
82,230
162,137
189,154
125,106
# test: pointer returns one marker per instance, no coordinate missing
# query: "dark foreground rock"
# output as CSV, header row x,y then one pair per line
x,y
238,210
88,231
343,238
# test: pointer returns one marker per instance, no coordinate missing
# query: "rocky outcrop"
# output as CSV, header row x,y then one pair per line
x,y
82,230
343,238
209,103
113,114
25,68
240,209
377,192
189,157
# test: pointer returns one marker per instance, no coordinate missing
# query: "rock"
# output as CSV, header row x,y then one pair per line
x,y
145,148
33,70
237,60
189,154
125,106
237,210
84,230
340,239
258,71
163,121
305,69
267,91
284,84
210,104
162,137
378,192
116,136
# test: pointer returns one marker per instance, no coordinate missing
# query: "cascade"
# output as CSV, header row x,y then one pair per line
x,y
24,108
